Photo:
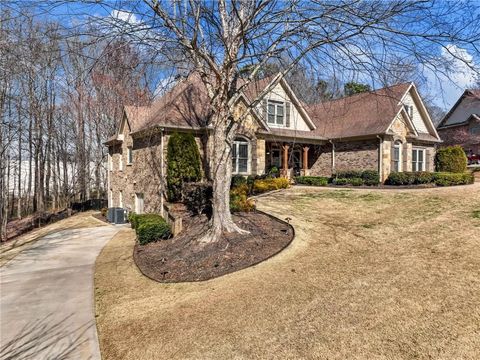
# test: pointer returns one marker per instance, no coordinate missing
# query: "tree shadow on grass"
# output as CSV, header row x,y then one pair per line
x,y
47,338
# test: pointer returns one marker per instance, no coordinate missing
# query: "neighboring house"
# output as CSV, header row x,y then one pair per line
x,y
385,130
461,125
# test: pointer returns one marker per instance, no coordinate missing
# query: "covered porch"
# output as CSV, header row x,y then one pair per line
x,y
291,158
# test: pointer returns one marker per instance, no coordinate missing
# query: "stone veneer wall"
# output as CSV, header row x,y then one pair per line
x,y
320,160
356,155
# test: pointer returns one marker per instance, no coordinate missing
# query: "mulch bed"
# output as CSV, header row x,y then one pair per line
x,y
184,259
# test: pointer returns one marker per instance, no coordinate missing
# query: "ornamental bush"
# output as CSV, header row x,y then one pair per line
x,y
355,181
370,177
450,179
151,227
312,180
132,219
261,186
237,180
340,181
239,199
183,163
348,174
451,159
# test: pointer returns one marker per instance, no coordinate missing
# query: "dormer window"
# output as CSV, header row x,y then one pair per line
x,y
276,113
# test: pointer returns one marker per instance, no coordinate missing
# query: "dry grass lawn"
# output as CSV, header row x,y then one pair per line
x,y
12,248
392,274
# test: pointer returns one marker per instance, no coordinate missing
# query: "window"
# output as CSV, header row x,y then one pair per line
x,y
129,156
240,155
418,159
120,199
409,110
109,162
396,160
110,198
276,113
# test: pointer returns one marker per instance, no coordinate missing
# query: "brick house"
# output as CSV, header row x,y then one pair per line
x,y
385,130
461,125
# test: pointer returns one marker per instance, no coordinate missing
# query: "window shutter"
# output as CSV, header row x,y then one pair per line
x,y
404,157
287,114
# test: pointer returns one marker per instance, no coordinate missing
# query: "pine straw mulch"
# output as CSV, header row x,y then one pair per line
x,y
184,259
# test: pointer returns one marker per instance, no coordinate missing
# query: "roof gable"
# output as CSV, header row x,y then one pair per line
x,y
466,105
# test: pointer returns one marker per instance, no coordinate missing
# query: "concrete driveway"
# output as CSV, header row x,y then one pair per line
x,y
46,305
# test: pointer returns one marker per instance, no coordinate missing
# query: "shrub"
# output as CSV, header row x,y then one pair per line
x,y
355,181
340,181
261,186
450,179
370,177
274,172
239,199
104,211
451,159
183,163
423,177
198,197
400,178
349,174
132,219
237,180
312,180
151,227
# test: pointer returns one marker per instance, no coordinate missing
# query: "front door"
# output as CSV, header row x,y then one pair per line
x,y
296,161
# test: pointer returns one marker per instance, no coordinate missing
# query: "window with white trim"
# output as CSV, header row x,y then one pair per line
x,y
109,162
276,113
129,155
396,156
240,156
418,159
120,199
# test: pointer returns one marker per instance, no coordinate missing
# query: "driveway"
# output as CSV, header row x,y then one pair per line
x,y
46,305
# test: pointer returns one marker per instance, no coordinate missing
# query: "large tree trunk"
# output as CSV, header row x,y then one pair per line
x,y
221,173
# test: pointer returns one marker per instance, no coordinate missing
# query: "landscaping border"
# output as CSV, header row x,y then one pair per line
x,y
290,226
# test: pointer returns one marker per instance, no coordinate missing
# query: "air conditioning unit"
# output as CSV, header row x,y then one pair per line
x,y
116,215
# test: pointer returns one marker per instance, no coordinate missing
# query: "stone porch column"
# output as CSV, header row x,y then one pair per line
x,y
305,161
285,160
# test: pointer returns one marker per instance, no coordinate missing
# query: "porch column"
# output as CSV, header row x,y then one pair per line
x,y
305,160
285,160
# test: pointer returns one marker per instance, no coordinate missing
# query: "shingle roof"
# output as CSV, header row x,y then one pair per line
x,y
362,114
447,121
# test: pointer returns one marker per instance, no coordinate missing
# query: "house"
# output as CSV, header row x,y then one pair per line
x,y
386,130
461,125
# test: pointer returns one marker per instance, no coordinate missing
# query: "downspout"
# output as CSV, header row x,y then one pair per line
x,y
380,158
162,173
333,156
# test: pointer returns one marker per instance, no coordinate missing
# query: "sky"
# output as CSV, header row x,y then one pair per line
x,y
444,89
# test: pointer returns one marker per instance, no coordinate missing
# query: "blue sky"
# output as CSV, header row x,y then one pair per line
x,y
443,88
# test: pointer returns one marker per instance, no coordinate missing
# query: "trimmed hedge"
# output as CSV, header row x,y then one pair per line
x,y
451,159
312,180
357,178
449,179
439,178
261,186
149,227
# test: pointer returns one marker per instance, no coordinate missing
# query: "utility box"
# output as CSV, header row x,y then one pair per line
x,y
116,215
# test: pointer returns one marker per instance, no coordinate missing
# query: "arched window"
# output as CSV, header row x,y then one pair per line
x,y
240,156
397,156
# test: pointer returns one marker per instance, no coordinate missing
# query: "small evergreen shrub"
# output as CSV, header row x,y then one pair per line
x,y
239,199
451,159
340,181
152,228
237,180
450,179
132,219
312,180
348,174
355,181
370,177
198,197
261,186
183,163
